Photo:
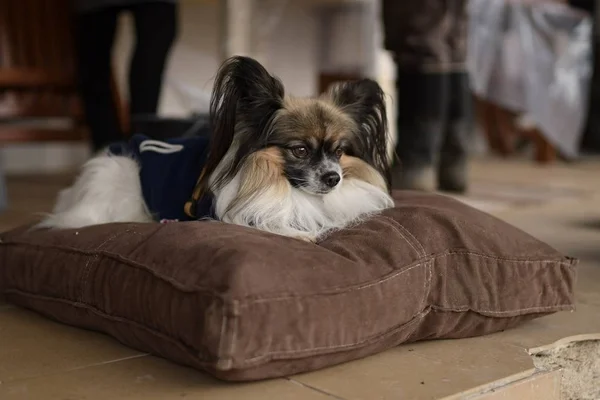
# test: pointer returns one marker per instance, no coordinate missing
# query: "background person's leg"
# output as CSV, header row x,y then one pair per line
x,y
458,132
421,120
457,136
415,32
156,29
95,33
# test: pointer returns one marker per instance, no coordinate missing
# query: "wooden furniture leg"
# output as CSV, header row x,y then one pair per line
x,y
485,118
497,125
544,151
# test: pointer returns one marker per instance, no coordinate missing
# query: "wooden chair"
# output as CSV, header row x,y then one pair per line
x,y
38,73
502,132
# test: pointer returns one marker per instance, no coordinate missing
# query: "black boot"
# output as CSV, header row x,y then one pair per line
x,y
422,112
457,136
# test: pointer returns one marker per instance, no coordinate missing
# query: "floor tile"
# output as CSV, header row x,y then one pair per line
x,y
427,370
541,385
149,378
548,329
31,346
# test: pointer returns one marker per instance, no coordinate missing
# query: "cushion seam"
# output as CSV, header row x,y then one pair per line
x,y
396,227
228,336
205,358
144,240
569,263
361,343
366,285
427,283
227,358
83,282
500,313
455,250
121,259
373,338
105,315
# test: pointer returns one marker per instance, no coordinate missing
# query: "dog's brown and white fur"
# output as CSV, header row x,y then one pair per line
x,y
292,166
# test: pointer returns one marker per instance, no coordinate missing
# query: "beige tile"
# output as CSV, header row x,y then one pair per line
x,y
551,328
541,385
149,378
23,207
427,370
588,282
31,345
526,172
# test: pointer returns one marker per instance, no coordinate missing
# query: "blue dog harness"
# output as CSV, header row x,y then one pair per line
x,y
169,171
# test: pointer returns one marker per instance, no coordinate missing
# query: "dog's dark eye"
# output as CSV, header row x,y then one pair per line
x,y
339,152
300,152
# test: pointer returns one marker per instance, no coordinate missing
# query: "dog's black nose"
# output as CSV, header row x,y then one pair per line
x,y
331,179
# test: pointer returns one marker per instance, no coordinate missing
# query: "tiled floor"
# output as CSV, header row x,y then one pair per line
x,y
41,359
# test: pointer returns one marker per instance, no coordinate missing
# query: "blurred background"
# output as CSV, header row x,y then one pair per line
x,y
493,101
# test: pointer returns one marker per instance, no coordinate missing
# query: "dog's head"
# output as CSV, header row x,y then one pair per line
x,y
314,144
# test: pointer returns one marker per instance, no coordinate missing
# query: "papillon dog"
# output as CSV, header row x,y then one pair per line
x,y
298,167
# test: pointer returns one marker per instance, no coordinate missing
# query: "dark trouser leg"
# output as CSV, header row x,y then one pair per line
x,y
422,114
156,29
452,167
95,35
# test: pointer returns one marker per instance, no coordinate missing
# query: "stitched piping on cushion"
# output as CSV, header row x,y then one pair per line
x,y
207,359
189,349
196,289
331,349
270,355
226,348
83,283
569,262
417,317
427,283
395,228
84,277
426,289
212,361
510,313
398,273
335,293
423,301
158,229
566,260
116,257
397,225
227,361
234,331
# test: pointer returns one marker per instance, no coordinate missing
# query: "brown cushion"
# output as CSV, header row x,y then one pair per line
x,y
244,305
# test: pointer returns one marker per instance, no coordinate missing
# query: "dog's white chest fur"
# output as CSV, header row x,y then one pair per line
x,y
297,213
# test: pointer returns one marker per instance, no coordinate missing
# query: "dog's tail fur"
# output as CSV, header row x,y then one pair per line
x,y
107,190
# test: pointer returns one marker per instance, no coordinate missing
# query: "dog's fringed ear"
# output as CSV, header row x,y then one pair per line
x,y
364,101
244,99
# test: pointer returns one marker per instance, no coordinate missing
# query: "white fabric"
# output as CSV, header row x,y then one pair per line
x,y
534,59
